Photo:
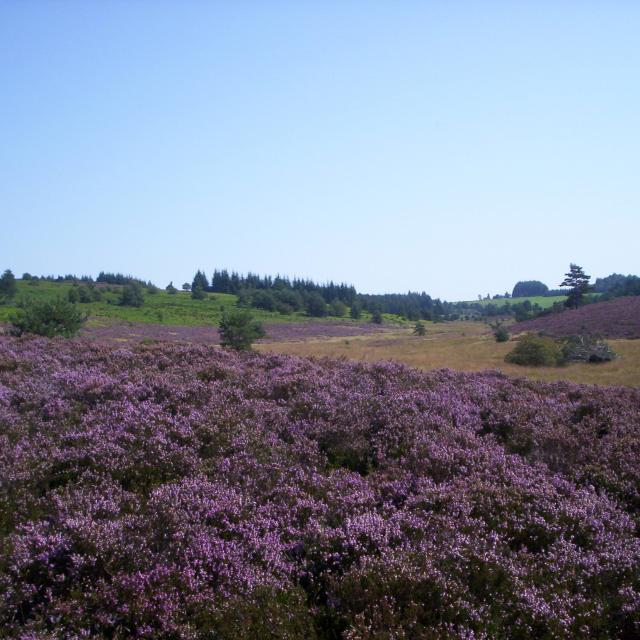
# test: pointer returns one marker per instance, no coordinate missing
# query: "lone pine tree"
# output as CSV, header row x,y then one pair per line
x,y
578,282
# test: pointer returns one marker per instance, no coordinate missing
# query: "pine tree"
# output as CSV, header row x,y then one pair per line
x,y
8,286
238,329
578,281
200,281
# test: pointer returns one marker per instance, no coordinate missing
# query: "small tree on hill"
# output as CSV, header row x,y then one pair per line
x,y
376,317
8,285
315,305
578,282
72,295
197,292
171,289
238,329
356,310
131,295
200,280
337,308
419,329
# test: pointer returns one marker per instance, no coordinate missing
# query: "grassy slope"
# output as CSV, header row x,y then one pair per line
x,y
543,301
158,308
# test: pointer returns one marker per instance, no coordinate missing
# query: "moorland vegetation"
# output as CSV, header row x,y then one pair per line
x,y
188,491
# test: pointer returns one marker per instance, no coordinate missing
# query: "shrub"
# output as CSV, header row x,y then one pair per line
x,y
587,348
263,300
376,317
48,318
536,351
84,295
315,305
171,289
419,329
337,308
288,299
356,310
238,329
72,295
88,294
198,293
499,331
131,295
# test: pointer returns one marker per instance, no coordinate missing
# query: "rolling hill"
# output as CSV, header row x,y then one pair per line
x,y
618,318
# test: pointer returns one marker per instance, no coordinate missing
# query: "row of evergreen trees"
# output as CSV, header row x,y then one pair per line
x,y
286,295
232,282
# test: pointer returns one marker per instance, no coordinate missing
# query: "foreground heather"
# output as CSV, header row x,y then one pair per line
x,y
184,492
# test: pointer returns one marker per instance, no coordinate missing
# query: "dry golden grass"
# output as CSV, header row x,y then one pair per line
x,y
465,346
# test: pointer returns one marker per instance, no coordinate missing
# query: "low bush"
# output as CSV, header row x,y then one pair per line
x,y
536,351
131,295
48,318
587,348
419,329
337,308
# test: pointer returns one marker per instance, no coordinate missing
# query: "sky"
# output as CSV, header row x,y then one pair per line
x,y
447,147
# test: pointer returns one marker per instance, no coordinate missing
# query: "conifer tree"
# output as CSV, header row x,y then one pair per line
x,y
578,282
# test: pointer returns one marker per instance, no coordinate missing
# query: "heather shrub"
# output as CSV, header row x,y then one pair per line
x,y
536,351
48,318
264,614
181,491
501,334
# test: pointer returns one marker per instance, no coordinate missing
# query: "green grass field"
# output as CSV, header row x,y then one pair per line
x,y
543,301
158,308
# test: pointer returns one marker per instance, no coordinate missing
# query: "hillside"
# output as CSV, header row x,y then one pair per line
x,y
161,307
187,492
618,318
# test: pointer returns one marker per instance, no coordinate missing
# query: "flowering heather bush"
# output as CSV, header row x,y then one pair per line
x,y
618,318
187,492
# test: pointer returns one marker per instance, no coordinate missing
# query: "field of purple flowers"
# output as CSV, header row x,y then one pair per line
x,y
618,318
174,491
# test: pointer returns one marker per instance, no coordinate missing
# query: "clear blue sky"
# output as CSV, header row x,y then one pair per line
x,y
451,147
